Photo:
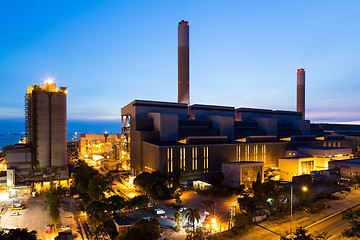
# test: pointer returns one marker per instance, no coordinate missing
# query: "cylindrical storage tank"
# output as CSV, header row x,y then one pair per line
x,y
58,129
42,128
300,103
183,62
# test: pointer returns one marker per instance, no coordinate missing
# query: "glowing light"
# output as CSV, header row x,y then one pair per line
x,y
48,78
304,188
132,195
207,226
213,220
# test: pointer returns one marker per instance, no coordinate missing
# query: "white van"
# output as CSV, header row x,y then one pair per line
x,y
159,211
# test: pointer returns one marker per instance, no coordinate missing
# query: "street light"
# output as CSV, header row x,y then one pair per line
x,y
304,189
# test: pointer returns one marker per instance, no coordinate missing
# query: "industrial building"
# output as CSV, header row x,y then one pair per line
x,y
198,139
203,140
105,145
45,153
348,169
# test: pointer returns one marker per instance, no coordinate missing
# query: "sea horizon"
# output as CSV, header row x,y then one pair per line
x,y
11,130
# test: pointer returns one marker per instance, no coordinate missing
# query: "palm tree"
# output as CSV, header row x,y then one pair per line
x,y
192,215
322,235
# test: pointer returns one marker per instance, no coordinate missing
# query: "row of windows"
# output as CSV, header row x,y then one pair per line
x,y
259,154
331,144
194,159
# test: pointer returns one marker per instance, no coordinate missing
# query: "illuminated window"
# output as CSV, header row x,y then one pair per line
x,y
194,159
238,153
206,159
182,159
338,144
170,162
324,144
247,153
256,152
263,150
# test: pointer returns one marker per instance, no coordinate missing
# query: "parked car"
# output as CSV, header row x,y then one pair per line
x,y
16,207
64,228
14,214
159,211
162,216
182,209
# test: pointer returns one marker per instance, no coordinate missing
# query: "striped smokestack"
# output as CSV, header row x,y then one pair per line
x,y
183,62
300,106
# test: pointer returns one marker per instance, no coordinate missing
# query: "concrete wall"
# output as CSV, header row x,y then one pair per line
x,y
18,156
302,125
201,112
286,116
249,114
42,135
150,154
136,141
234,172
58,129
167,125
268,125
224,124
347,169
141,108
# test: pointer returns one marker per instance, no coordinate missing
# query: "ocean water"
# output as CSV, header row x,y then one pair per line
x,y
12,130
9,138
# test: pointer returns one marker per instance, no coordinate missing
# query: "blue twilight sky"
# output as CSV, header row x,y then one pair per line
x,y
242,54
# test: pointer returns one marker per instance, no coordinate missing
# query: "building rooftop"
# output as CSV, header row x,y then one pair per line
x,y
354,161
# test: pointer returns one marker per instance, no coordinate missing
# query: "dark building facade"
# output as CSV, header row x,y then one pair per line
x,y
198,139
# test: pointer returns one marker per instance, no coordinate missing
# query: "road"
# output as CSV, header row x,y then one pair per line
x,y
333,225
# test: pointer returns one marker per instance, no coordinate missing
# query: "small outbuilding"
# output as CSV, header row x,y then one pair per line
x,y
242,173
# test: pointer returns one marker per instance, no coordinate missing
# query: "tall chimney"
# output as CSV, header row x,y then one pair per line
x,y
300,106
183,62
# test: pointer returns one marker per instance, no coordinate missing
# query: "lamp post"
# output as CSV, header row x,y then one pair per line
x,y
304,189
291,199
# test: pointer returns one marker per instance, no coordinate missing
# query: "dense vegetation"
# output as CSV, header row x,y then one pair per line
x,y
18,234
157,185
52,200
101,210
143,229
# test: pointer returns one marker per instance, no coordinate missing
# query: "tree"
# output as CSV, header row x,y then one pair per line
x,y
177,199
193,215
300,234
354,229
209,203
178,218
241,220
98,213
115,203
144,229
322,235
138,201
197,234
18,234
90,184
247,204
52,200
